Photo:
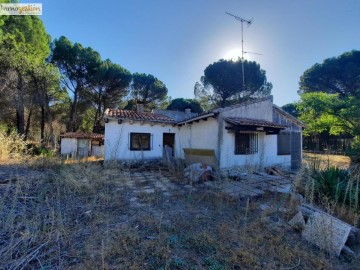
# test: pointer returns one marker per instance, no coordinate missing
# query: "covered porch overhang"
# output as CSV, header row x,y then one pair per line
x,y
252,125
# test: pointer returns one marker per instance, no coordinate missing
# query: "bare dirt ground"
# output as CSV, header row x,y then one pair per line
x,y
81,215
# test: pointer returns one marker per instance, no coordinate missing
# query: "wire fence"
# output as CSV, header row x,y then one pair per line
x,y
326,145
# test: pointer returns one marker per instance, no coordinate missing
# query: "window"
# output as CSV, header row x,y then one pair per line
x,y
283,142
246,143
140,141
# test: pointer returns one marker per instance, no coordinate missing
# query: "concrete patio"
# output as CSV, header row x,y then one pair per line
x,y
253,186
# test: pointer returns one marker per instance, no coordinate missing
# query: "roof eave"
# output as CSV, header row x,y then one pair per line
x,y
140,120
290,117
255,124
200,117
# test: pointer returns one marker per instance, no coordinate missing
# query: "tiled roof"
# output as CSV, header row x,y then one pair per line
x,y
145,116
252,122
82,135
176,115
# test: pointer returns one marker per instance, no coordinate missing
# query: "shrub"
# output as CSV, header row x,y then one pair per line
x,y
354,151
331,183
335,189
39,151
12,146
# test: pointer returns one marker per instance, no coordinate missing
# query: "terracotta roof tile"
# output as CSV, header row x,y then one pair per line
x,y
145,116
82,135
252,122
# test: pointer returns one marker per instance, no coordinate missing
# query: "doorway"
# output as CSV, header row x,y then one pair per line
x,y
168,144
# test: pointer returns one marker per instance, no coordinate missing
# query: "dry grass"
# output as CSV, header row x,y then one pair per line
x,y
79,215
327,160
316,171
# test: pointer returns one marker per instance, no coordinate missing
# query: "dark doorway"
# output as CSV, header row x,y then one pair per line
x,y
169,144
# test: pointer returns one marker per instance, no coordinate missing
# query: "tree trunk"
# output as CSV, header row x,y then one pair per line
x,y
48,118
73,111
223,102
95,123
40,99
42,125
20,114
28,124
98,112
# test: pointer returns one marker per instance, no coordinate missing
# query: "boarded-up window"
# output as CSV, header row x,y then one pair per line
x,y
283,142
246,143
140,141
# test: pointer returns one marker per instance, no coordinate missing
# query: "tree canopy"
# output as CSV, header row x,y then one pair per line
x,y
337,75
110,83
47,87
292,109
24,50
77,66
148,89
330,95
180,104
94,84
222,82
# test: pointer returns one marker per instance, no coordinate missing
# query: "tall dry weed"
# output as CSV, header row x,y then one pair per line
x,y
12,147
334,189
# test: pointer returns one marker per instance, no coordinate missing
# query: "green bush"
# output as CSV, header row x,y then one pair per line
x,y
354,151
39,151
335,185
331,182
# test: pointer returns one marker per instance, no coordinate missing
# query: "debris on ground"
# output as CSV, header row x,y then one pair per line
x,y
328,232
275,171
298,198
298,221
198,172
85,216
253,186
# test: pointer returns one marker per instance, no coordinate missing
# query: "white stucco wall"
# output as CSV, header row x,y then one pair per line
x,y
117,140
200,135
97,150
68,146
261,110
210,134
266,156
228,157
267,144
270,153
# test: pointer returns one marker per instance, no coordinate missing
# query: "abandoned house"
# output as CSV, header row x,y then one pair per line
x,y
253,133
78,144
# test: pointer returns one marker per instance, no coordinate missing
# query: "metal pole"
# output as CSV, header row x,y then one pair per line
x,y
249,22
242,56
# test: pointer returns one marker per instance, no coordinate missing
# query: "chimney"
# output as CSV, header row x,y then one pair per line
x,y
139,107
187,111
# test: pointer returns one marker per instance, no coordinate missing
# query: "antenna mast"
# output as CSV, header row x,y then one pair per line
x,y
248,22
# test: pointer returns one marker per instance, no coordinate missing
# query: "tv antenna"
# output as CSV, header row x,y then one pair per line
x,y
248,22
254,53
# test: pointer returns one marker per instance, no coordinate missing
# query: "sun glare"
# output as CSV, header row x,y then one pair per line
x,y
233,54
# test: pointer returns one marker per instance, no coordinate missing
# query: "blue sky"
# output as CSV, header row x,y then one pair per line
x,y
175,40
